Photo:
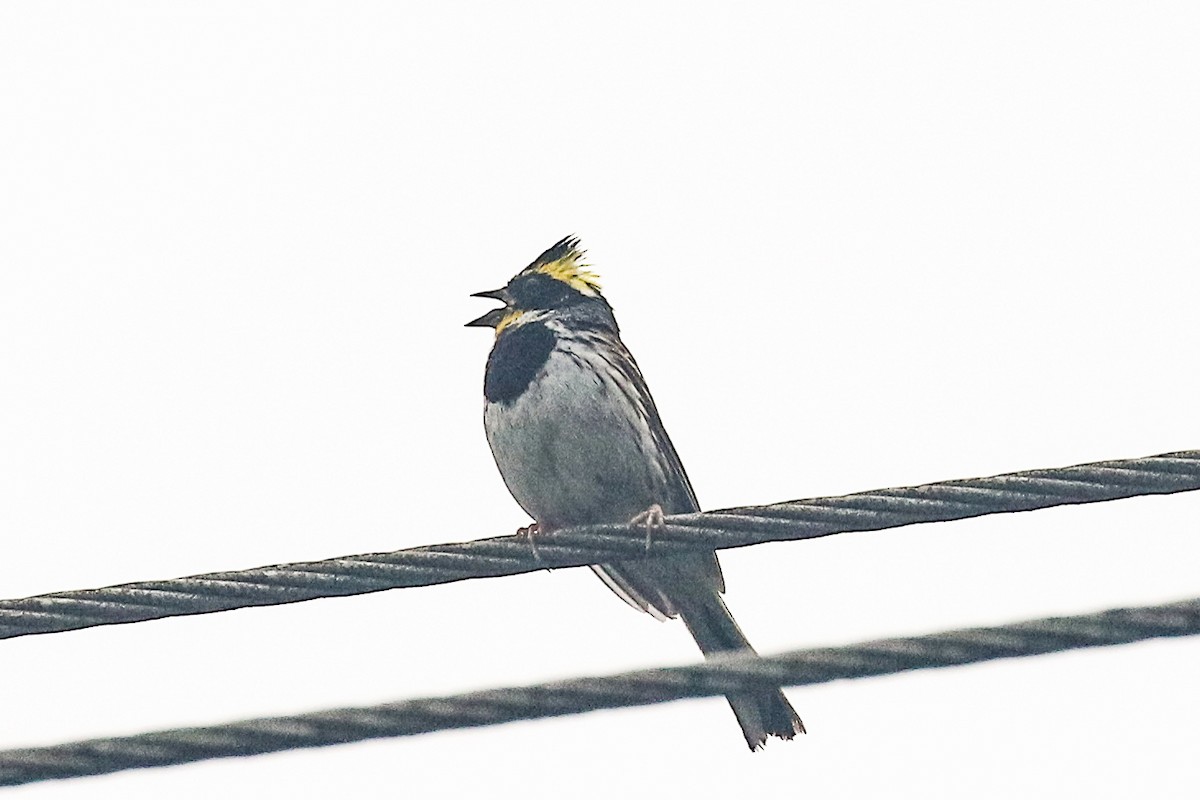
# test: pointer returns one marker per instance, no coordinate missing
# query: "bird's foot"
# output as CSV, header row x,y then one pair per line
x,y
653,519
530,532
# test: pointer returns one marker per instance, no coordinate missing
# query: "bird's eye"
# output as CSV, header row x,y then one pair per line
x,y
542,291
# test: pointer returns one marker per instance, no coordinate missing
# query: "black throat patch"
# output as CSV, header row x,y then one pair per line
x,y
515,360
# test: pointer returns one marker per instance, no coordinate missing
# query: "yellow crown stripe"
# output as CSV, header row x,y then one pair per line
x,y
570,271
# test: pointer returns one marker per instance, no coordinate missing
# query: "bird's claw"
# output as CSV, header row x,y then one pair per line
x,y
652,518
530,532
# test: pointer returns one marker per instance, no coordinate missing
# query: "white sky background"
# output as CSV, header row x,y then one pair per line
x,y
852,246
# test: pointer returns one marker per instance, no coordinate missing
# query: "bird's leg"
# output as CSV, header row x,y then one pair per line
x,y
652,518
529,532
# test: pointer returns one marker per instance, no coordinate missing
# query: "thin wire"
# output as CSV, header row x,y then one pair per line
x,y
570,547
715,677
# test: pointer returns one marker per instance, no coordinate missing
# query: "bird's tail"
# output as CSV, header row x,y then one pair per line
x,y
762,713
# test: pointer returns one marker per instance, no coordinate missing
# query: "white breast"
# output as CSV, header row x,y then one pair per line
x,y
576,446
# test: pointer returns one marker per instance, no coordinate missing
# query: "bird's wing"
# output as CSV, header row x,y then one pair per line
x,y
654,585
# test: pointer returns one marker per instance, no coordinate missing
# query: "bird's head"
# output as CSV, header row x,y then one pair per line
x,y
556,285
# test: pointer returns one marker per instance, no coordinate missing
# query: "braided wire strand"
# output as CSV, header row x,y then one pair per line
x,y
644,687
570,547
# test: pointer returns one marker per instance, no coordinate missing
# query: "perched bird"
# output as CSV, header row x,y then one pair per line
x,y
578,440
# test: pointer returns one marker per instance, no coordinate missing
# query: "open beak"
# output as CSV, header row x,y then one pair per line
x,y
492,318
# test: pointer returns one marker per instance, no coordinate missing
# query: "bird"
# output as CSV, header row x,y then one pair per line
x,y
578,440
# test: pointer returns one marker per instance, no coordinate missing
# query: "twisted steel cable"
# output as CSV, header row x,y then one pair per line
x,y
715,677
570,547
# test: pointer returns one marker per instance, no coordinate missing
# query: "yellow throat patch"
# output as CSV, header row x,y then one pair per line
x,y
508,319
516,318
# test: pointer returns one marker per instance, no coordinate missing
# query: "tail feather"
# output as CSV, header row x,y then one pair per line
x,y
762,713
